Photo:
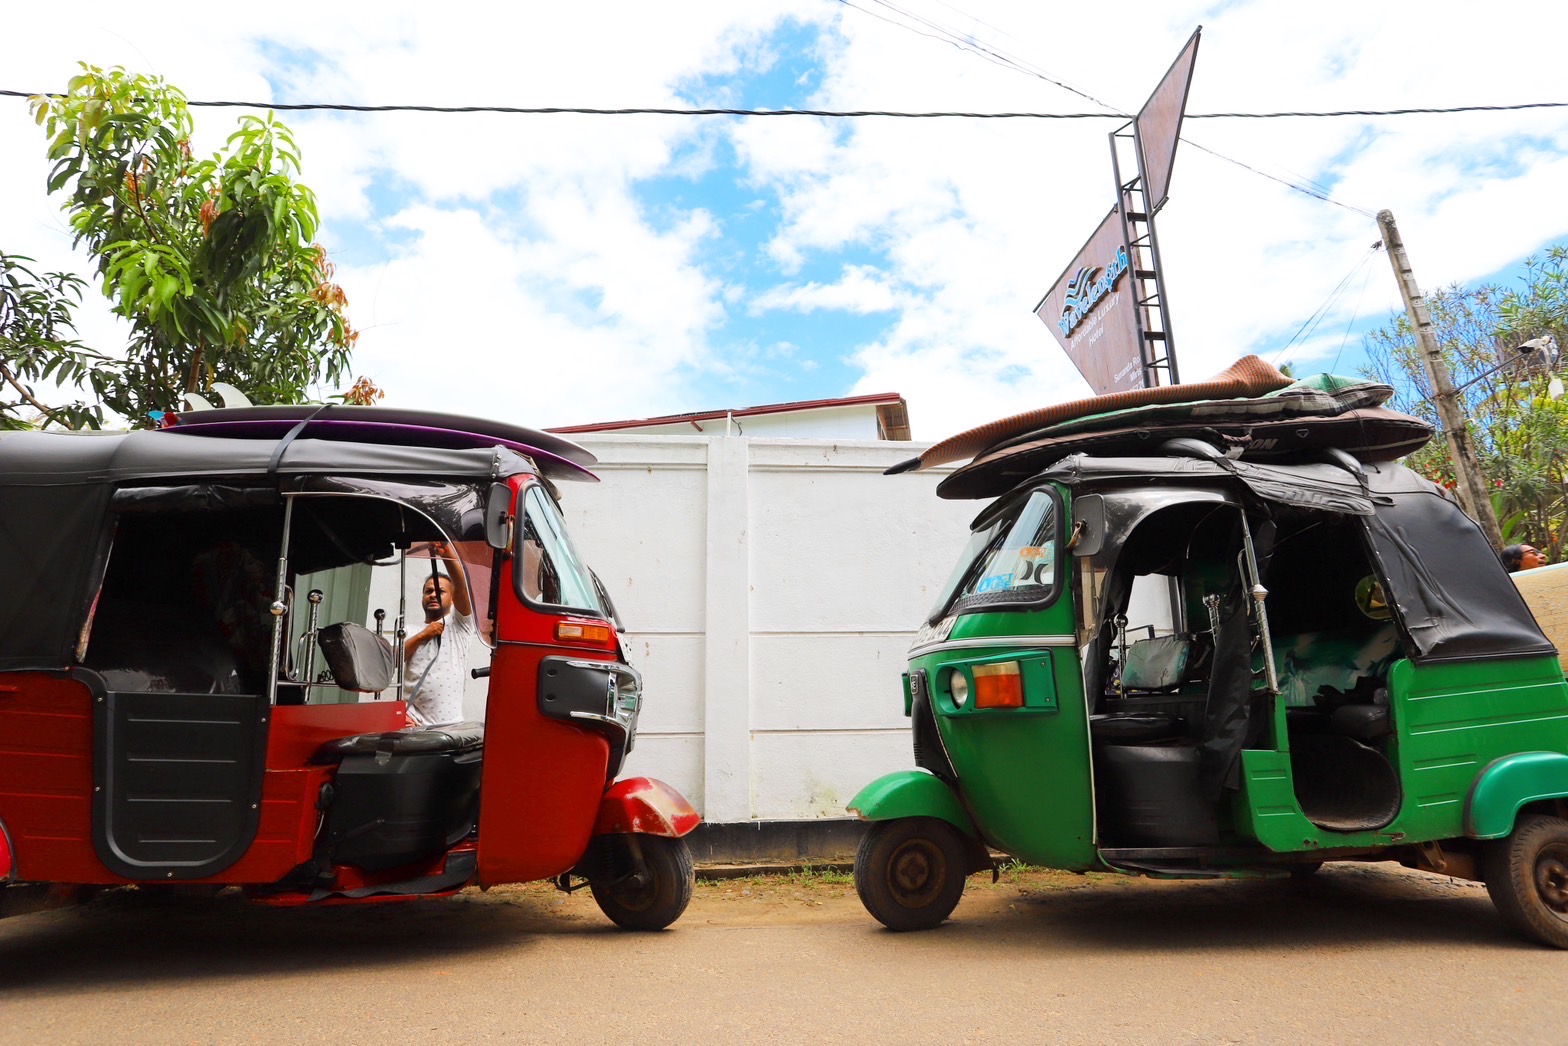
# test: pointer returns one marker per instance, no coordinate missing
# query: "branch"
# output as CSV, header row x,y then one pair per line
x,y
136,201
11,379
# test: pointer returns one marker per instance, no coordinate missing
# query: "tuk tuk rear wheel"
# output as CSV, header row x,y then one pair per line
x,y
1527,877
659,895
910,872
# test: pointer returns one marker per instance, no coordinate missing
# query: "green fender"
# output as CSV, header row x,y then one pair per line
x,y
1509,783
911,793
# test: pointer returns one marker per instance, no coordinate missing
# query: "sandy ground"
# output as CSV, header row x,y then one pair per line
x,y
1359,952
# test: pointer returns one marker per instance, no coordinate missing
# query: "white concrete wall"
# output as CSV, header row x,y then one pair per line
x,y
771,588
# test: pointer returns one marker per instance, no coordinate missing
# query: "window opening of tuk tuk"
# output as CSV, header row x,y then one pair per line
x,y
1144,621
1010,560
548,571
183,601
361,561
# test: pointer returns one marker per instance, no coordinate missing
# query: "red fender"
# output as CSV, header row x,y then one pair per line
x,y
647,806
6,858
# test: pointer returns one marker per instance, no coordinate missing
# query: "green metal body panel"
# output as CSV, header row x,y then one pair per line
x,y
1024,772
1457,718
911,793
1265,809
1507,785
1451,720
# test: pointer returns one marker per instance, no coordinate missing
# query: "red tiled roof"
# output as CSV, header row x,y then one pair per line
x,y
738,412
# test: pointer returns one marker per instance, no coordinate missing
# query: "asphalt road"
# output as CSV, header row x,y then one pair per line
x,y
1359,953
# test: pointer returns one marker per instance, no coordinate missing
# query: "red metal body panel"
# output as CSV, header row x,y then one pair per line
x,y
5,852
645,805
287,833
46,778
298,730
542,778
287,830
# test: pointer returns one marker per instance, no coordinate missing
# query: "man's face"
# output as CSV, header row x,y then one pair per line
x,y
436,597
1531,557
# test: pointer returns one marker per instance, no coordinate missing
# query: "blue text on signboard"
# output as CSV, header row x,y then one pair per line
x,y
1087,287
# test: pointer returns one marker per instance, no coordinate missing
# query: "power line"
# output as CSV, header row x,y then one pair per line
x,y
1311,322
1314,191
1379,112
825,113
1354,313
974,47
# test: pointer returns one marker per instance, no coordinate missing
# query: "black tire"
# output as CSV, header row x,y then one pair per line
x,y
664,892
910,873
1527,877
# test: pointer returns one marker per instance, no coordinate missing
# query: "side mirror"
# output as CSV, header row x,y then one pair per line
x,y
1088,534
498,517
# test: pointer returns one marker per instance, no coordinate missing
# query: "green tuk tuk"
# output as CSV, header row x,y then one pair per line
x,y
1215,655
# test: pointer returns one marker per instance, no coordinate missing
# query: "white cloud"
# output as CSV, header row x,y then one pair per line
x,y
523,267
862,290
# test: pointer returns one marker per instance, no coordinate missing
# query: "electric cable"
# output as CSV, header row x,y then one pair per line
x,y
1311,322
1316,192
863,113
561,110
974,47
1356,311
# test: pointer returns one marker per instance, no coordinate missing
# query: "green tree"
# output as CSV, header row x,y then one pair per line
x,y
1511,397
212,261
1540,306
36,346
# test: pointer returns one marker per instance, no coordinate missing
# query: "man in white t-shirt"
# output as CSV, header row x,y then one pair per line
x,y
435,658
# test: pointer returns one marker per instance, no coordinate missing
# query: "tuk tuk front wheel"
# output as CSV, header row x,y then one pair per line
x,y
1527,877
910,872
654,896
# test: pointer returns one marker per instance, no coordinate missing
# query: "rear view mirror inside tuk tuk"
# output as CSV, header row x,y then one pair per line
x,y
498,516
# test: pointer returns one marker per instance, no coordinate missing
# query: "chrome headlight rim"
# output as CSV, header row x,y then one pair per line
x,y
958,687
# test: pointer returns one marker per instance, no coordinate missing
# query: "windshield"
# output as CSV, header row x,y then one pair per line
x,y
1009,561
549,570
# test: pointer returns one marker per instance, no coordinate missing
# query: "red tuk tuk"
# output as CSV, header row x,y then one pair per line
x,y
202,672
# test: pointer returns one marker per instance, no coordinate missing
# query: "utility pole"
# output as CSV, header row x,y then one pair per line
x,y
1474,497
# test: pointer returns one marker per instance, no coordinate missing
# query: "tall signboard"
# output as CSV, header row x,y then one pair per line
x,y
1158,126
1090,310
1108,308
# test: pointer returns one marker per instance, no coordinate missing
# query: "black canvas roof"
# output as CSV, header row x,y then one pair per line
x,y
56,490
1450,593
34,458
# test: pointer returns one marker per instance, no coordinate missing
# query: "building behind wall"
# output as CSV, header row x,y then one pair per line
x,y
879,416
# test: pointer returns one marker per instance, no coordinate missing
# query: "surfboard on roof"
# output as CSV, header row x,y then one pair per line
x,y
1250,410
557,457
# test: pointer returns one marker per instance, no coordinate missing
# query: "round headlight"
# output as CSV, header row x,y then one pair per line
x,y
958,687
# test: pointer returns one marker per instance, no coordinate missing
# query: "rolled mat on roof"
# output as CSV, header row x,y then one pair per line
x,y
1248,376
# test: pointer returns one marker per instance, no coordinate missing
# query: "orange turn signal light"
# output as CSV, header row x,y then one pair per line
x,y
579,632
999,685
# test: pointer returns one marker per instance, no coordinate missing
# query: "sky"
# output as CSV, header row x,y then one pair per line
x,y
565,269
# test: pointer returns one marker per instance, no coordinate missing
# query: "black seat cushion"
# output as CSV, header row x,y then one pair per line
x,y
454,737
1363,722
1133,728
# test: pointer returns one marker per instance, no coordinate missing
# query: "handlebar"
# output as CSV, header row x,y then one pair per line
x,y
479,673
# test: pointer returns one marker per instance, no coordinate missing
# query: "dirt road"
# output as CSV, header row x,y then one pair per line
x,y
1357,953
